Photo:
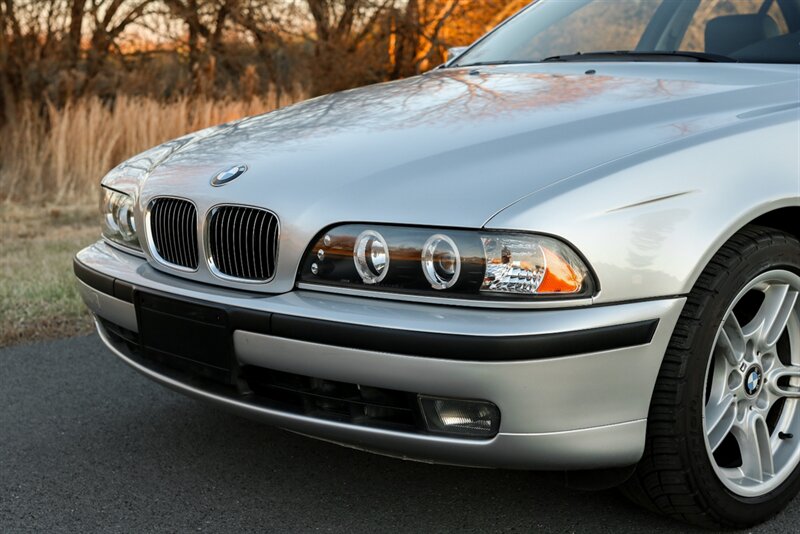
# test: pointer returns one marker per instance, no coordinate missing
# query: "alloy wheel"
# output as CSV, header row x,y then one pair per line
x,y
751,419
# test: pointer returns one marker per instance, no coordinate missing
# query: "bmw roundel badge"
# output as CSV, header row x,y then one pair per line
x,y
228,175
752,380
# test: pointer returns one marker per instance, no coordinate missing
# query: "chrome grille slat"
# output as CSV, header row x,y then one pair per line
x,y
176,217
193,222
242,243
271,248
176,206
226,258
217,231
256,259
240,239
261,242
234,242
173,231
249,238
241,236
156,229
186,220
174,214
158,225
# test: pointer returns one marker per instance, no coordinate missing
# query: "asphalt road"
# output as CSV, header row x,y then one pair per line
x,y
88,445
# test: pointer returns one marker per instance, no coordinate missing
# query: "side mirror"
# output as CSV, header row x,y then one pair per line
x,y
454,52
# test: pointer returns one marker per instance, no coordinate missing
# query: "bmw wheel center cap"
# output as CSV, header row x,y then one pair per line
x,y
753,378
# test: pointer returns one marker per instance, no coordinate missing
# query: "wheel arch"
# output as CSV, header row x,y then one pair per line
x,y
785,219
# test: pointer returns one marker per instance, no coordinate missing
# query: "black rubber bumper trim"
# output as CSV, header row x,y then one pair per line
x,y
102,282
405,342
96,280
463,347
241,318
123,290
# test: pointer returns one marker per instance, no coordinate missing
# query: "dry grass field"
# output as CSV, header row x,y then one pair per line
x,y
51,164
85,85
57,155
38,297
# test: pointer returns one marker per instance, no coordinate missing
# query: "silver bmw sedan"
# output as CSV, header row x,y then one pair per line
x,y
574,247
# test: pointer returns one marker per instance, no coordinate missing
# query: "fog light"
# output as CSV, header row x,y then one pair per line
x,y
460,417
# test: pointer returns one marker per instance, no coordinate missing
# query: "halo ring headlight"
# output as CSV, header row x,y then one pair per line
x,y
119,222
126,221
441,261
371,256
499,265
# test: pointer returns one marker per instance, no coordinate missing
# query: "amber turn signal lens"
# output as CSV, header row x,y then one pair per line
x,y
559,277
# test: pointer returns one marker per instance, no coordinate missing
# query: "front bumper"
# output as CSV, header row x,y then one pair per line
x,y
573,385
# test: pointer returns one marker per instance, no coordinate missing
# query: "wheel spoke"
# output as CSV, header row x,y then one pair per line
x,y
789,391
754,444
731,341
720,417
771,320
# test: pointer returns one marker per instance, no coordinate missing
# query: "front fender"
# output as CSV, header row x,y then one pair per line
x,y
650,223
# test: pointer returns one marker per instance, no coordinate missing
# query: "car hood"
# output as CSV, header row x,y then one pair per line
x,y
456,146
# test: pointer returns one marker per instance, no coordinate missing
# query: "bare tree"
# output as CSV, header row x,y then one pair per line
x,y
206,22
110,19
77,12
56,50
340,28
266,22
416,34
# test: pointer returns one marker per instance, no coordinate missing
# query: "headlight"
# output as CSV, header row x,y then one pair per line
x,y
371,257
119,223
441,261
454,263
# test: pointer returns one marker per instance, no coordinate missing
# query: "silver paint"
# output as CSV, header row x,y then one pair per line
x,y
409,316
583,392
112,309
587,448
646,168
642,152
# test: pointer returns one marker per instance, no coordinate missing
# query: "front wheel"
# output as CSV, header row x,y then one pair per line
x,y
723,438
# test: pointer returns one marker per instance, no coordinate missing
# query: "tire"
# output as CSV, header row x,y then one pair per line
x,y
679,475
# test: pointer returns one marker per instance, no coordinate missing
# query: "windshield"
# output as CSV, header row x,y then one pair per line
x,y
751,31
